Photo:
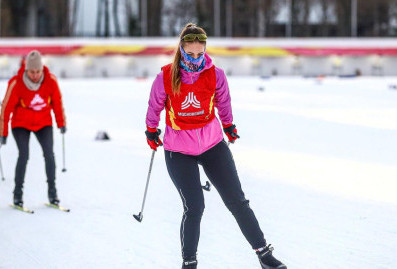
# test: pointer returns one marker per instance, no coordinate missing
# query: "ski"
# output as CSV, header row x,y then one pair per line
x,y
58,207
23,209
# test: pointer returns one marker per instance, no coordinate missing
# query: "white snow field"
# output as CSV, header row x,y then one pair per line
x,y
317,159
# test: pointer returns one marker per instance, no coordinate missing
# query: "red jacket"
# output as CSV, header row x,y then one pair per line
x,y
31,109
194,107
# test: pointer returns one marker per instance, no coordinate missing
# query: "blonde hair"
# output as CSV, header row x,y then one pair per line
x,y
189,28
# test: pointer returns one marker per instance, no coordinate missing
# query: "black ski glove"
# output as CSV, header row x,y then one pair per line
x,y
152,137
63,129
3,140
231,132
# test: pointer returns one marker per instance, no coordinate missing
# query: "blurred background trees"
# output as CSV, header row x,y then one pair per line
x,y
34,18
225,18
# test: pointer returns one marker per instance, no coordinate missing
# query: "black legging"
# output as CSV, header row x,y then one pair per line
x,y
45,138
220,169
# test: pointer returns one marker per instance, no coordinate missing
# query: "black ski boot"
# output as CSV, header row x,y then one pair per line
x,y
267,260
189,263
18,197
52,196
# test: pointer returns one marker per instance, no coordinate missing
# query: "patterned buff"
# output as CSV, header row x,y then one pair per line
x,y
190,64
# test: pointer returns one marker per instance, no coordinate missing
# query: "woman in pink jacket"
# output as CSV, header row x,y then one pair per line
x,y
189,89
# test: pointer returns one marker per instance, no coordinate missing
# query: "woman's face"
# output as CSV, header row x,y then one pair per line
x,y
194,49
34,74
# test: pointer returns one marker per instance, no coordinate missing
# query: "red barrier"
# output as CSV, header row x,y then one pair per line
x,y
264,51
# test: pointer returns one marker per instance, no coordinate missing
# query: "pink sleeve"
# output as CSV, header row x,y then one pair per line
x,y
156,102
222,97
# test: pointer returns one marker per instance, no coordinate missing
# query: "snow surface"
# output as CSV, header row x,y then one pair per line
x,y
317,159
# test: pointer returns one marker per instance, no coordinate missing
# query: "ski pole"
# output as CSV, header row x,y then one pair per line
x,y
140,215
1,168
63,152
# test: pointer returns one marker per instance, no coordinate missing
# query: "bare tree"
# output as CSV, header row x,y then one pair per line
x,y
75,7
244,17
272,9
374,17
132,20
392,18
116,17
34,18
180,12
17,17
300,17
99,18
343,11
154,17
103,9
205,15
306,13
324,17
107,25
261,18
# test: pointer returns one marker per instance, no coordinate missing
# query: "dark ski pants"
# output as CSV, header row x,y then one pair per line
x,y
45,138
220,169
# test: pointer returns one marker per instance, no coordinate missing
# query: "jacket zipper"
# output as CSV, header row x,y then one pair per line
x,y
191,77
198,140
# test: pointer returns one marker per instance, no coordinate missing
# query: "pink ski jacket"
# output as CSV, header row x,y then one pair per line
x,y
194,141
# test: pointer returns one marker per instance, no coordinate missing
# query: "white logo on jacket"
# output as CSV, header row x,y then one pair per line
x,y
37,103
190,100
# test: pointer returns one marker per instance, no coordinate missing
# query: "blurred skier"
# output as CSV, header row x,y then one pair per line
x,y
30,96
189,89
